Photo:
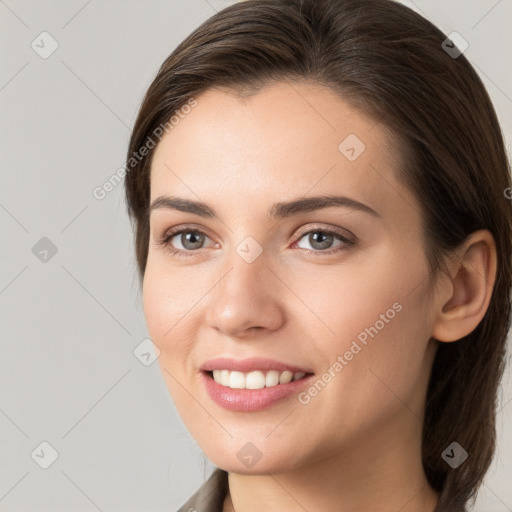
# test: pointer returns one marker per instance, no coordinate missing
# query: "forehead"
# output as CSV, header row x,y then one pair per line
x,y
286,140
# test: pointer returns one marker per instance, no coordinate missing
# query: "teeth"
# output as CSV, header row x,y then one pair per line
x,y
237,380
285,377
254,380
224,377
272,378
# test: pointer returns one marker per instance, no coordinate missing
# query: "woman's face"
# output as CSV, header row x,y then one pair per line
x,y
334,292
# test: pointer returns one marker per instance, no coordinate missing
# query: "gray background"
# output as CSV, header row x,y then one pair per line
x,y
71,321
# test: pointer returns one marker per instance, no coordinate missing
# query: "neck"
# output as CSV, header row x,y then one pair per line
x,y
384,472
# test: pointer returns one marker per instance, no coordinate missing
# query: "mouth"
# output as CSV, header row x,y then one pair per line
x,y
253,373
252,384
257,379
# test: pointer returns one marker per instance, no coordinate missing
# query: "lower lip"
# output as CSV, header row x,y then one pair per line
x,y
248,400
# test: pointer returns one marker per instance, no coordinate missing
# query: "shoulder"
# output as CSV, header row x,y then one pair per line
x,y
210,496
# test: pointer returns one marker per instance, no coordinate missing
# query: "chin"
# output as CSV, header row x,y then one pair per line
x,y
249,460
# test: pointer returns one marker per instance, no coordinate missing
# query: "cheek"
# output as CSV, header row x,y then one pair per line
x,y
157,307
168,296
165,309
352,297
168,304
380,328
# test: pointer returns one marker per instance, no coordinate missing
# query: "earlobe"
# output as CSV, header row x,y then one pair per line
x,y
473,277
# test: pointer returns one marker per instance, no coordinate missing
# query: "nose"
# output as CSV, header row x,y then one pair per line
x,y
247,299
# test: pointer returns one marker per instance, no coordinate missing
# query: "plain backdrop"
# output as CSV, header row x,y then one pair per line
x,y
74,396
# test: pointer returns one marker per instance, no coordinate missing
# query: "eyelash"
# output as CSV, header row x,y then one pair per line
x,y
169,235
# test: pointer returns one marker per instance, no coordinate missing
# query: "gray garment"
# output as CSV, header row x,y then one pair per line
x,y
210,496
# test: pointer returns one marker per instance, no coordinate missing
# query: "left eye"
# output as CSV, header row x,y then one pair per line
x,y
320,240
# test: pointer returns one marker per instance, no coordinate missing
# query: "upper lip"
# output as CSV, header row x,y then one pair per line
x,y
248,365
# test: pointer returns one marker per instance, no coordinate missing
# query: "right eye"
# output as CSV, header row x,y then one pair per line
x,y
190,239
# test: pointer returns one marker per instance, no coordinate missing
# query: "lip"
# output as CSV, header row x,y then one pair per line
x,y
249,365
250,400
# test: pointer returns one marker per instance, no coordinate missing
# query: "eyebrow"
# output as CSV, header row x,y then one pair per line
x,y
277,210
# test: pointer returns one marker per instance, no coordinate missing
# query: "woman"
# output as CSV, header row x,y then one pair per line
x,y
323,236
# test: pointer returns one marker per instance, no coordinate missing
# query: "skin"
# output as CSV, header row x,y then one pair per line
x,y
356,446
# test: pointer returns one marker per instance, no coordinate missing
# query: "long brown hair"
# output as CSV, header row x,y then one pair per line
x,y
390,63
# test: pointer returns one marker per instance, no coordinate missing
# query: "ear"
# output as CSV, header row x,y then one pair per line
x,y
473,273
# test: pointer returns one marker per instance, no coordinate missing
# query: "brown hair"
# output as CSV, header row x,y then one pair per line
x,y
388,62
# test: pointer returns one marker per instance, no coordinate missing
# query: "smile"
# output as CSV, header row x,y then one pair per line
x,y
255,379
